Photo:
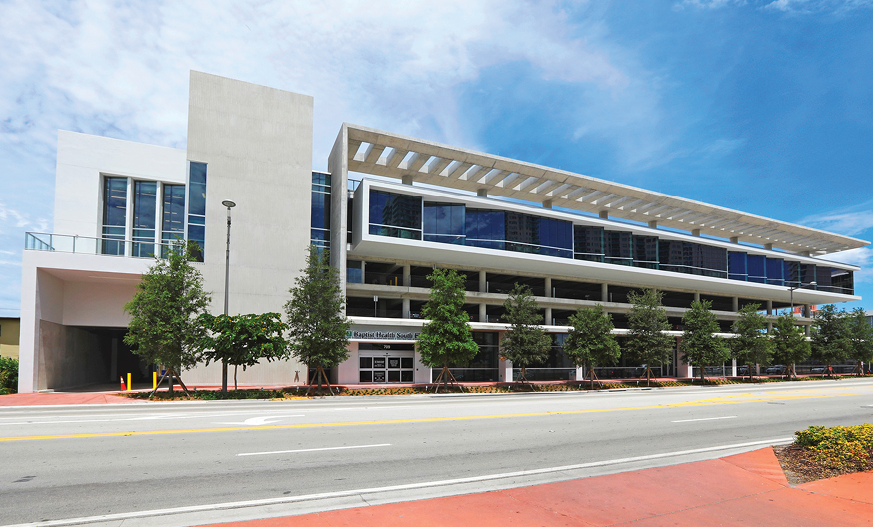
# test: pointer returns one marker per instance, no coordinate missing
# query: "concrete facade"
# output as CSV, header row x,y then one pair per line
x,y
256,143
9,331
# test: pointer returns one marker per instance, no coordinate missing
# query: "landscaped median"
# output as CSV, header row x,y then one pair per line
x,y
297,392
824,452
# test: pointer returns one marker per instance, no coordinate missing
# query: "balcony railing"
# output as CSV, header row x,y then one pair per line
x,y
66,243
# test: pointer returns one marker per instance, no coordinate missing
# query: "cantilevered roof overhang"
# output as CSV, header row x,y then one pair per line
x,y
385,154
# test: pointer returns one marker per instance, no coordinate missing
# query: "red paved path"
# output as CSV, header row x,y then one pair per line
x,y
747,489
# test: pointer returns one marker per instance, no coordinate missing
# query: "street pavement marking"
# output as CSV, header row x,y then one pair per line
x,y
311,450
704,419
701,402
393,488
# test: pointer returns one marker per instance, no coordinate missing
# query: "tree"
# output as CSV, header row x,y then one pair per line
x,y
790,345
317,327
647,322
243,340
751,344
830,340
699,343
446,337
164,327
525,342
860,335
590,341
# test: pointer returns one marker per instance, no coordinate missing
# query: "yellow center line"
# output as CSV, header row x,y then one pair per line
x,y
701,402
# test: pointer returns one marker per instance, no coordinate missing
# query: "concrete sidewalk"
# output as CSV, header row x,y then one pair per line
x,y
747,489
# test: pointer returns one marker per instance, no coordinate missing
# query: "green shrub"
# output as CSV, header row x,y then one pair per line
x,y
839,446
8,375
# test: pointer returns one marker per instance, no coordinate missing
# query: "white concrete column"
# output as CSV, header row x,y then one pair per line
x,y
653,224
697,297
735,304
406,308
407,276
695,232
547,204
483,282
483,313
548,286
735,239
482,192
604,292
604,214
733,367
580,373
548,318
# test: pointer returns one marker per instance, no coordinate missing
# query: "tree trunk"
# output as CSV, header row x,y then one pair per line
x,y
234,377
749,367
445,377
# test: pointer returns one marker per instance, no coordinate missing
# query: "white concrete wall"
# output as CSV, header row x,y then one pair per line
x,y
257,144
83,160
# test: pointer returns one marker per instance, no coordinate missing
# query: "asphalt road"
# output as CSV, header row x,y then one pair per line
x,y
201,462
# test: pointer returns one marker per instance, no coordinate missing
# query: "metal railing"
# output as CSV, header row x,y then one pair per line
x,y
108,246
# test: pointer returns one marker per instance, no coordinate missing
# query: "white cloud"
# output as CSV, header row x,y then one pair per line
x,y
863,258
818,6
850,221
13,220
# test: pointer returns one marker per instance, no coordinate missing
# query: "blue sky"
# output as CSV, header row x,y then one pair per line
x,y
763,106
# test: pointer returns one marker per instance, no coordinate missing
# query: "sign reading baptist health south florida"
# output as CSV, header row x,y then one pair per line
x,y
382,335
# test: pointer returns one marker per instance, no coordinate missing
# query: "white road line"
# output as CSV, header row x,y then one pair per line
x,y
311,450
704,419
343,493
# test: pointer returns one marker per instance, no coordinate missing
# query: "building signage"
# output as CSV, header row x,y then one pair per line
x,y
382,335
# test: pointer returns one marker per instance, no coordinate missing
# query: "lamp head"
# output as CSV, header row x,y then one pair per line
x,y
228,203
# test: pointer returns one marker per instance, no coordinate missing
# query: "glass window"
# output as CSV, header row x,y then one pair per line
x,y
444,222
619,247
823,278
485,228
757,268
395,215
645,251
843,281
197,207
320,213
114,214
354,272
145,202
537,235
791,272
737,266
775,271
588,243
709,260
807,274
172,216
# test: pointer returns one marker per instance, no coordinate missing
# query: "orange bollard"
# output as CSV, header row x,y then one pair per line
x,y
123,388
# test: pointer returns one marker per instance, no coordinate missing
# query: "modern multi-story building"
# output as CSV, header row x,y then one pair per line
x,y
390,208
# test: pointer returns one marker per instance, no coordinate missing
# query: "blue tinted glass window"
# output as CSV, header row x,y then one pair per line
x,y
645,251
775,271
756,265
791,272
485,228
823,278
807,274
444,222
354,272
145,202
114,214
709,260
737,266
197,189
842,281
197,206
320,218
172,215
395,210
588,243
619,247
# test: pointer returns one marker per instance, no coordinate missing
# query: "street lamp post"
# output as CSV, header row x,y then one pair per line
x,y
229,204
791,291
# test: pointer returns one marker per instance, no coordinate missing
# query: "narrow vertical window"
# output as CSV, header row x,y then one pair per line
x,y
320,217
145,197
114,215
197,207
172,216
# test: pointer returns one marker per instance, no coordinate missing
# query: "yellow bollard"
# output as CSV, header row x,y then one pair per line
x,y
128,382
154,380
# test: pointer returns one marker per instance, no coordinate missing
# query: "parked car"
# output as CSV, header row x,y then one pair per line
x,y
742,370
778,369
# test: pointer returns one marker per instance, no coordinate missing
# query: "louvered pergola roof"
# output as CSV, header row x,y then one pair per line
x,y
385,154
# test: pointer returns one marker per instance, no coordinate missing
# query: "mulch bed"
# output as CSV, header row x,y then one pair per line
x,y
800,466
